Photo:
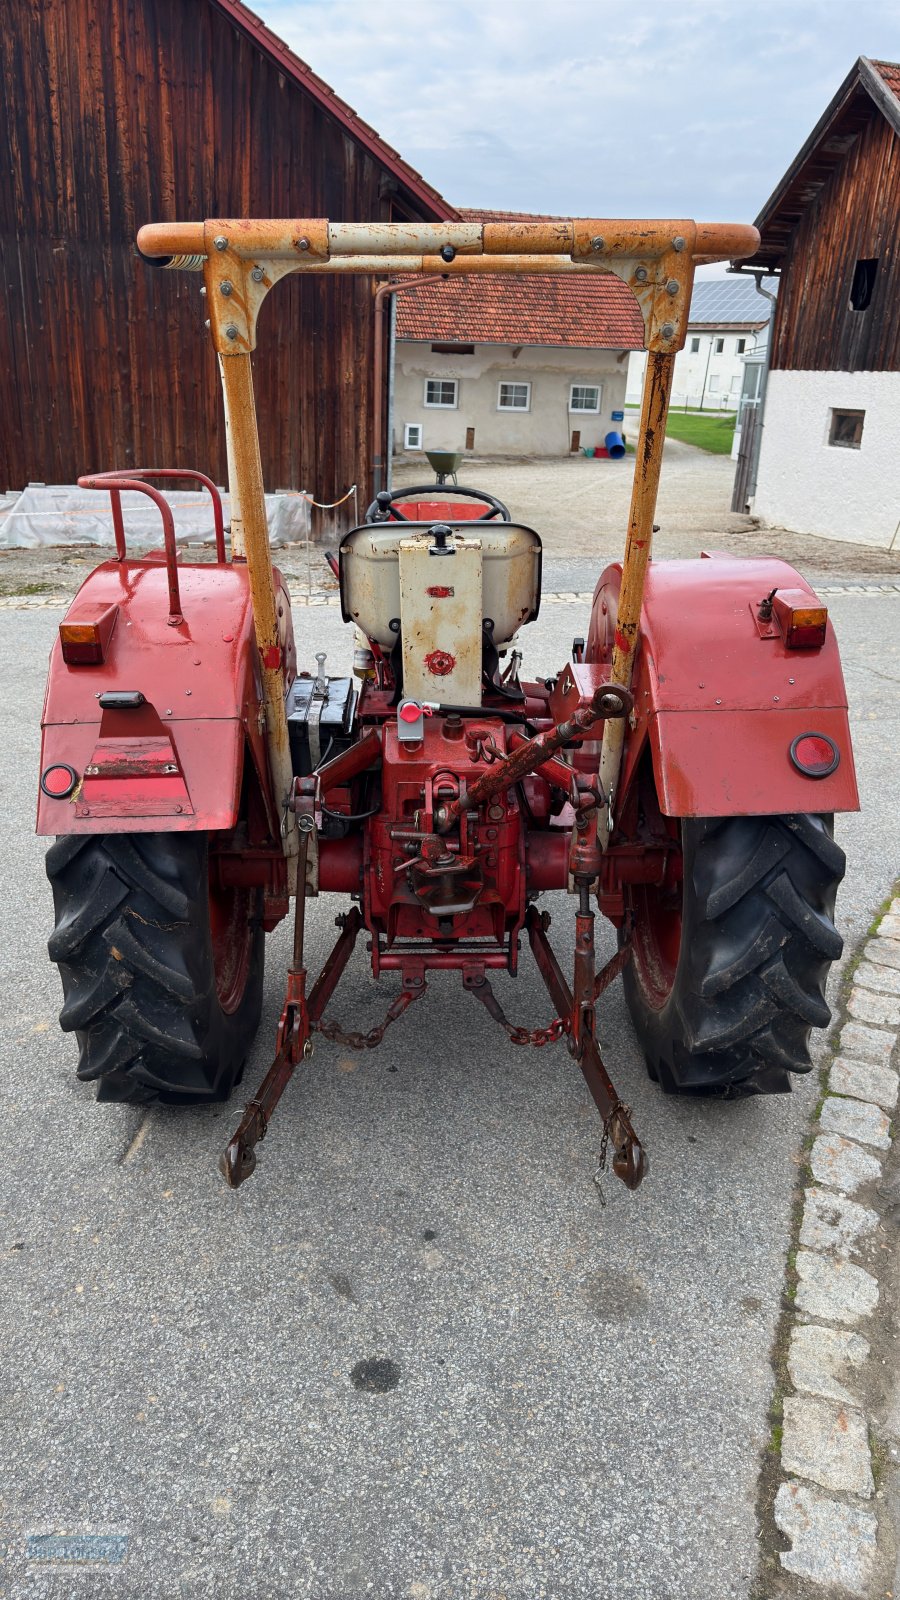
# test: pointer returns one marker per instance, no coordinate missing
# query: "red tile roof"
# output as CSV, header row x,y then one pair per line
x,y
585,313
890,72
433,205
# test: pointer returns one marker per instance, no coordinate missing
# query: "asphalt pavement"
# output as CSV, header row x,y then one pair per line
x,y
580,1391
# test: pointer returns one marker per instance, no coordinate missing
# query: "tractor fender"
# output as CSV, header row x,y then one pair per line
x,y
720,704
176,761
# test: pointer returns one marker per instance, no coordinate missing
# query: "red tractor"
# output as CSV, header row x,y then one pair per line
x,y
680,773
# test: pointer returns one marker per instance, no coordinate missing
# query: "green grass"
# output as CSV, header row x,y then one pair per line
x,y
713,432
12,588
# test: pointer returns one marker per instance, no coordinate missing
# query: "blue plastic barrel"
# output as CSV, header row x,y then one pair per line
x,y
615,445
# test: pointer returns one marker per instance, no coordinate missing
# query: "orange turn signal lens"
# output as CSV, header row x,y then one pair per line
x,y
801,618
84,643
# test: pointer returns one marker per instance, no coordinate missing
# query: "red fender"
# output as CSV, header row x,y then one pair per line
x,y
176,762
720,705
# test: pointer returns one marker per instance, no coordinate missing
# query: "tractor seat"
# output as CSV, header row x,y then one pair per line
x,y
495,565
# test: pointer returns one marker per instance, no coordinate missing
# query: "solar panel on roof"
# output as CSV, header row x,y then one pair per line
x,y
730,300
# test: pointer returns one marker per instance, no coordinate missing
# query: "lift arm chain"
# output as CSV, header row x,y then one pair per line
x,y
369,1041
478,985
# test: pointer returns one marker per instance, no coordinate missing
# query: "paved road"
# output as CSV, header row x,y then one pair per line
x,y
583,1391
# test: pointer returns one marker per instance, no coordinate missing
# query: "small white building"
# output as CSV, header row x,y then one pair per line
x,y
512,366
727,320
830,439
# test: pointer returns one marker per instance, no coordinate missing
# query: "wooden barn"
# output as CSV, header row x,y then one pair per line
x,y
119,112
827,461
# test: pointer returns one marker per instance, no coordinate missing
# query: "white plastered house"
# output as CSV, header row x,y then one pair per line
x,y
512,366
829,446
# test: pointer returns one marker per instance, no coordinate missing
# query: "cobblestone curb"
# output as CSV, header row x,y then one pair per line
x,y
826,1501
321,597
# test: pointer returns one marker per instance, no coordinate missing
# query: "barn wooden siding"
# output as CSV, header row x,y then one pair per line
x,y
856,216
120,112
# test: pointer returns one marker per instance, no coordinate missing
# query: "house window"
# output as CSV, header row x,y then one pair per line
x,y
846,429
863,284
584,397
740,346
412,436
442,392
695,346
713,383
514,397
452,349
720,346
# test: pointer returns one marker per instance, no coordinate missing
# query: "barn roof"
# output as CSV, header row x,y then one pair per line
x,y
427,199
581,312
867,84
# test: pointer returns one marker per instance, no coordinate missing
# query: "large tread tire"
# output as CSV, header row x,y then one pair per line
x,y
161,1012
733,1012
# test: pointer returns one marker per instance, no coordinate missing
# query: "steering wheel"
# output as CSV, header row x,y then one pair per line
x,y
383,509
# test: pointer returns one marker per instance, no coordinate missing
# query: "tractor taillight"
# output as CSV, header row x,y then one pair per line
x,y
85,643
802,623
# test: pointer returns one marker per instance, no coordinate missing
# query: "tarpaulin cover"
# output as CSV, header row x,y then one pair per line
x,y
51,514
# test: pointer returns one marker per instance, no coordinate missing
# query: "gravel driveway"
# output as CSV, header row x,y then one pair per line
x,y
580,508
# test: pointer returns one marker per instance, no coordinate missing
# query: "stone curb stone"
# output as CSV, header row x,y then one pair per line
x,y
825,1437
872,976
869,1043
867,1006
884,951
858,1119
862,1080
827,1443
832,1222
835,1290
841,1163
817,1356
832,1543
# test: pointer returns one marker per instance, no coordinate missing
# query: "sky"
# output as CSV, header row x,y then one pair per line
x,y
587,107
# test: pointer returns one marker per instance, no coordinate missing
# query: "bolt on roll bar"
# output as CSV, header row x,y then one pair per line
x,y
242,259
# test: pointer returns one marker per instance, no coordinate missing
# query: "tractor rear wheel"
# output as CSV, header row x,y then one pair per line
x,y
728,971
162,969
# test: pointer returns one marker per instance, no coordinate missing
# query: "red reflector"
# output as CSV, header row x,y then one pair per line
x,y
58,781
815,755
